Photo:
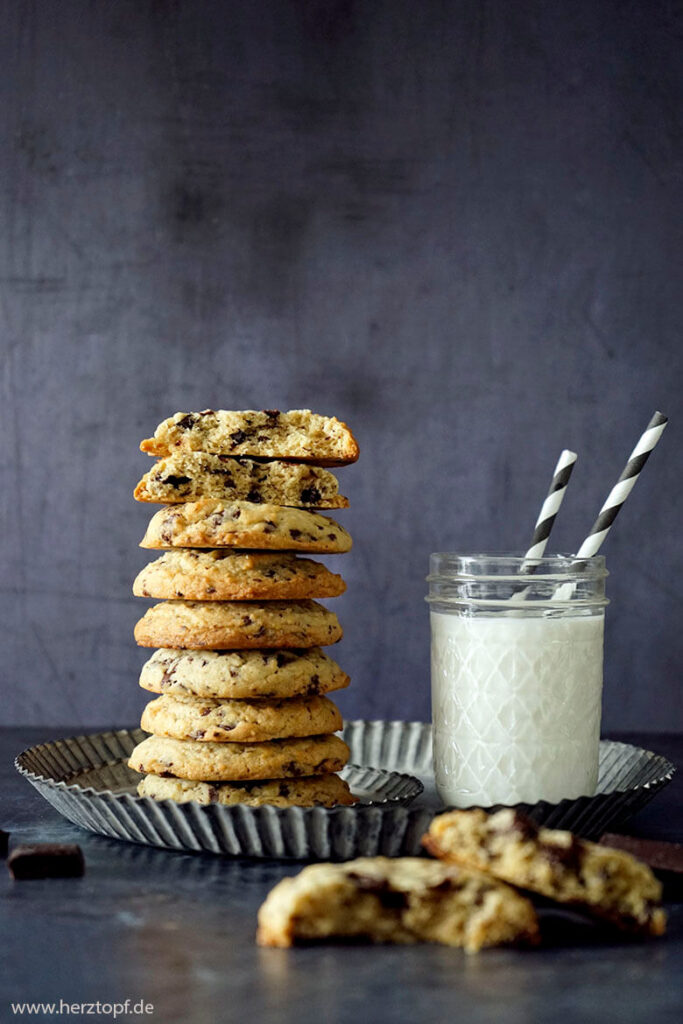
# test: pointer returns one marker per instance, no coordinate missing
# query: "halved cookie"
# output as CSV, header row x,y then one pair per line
x,y
608,884
187,476
298,434
404,899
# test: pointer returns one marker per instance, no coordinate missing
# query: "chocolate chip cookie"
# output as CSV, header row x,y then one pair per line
x,y
608,884
405,900
236,576
298,434
242,674
186,476
241,721
310,791
242,524
222,625
230,762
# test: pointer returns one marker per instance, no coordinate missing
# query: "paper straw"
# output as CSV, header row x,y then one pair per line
x,y
546,517
616,497
551,505
623,487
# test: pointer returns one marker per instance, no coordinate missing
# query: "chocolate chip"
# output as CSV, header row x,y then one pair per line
x,y
179,593
197,734
210,590
225,475
331,536
269,526
520,824
272,414
246,620
294,534
46,860
311,496
238,437
213,794
205,711
564,856
187,421
254,496
260,631
236,513
177,481
379,887
284,789
280,660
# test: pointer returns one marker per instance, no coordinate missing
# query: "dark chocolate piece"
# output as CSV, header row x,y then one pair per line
x,y
46,860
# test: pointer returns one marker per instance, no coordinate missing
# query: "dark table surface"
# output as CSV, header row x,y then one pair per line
x,y
177,931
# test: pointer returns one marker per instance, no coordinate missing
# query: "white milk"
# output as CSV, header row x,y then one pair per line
x,y
516,707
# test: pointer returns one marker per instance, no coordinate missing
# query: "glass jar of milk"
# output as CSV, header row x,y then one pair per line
x,y
516,676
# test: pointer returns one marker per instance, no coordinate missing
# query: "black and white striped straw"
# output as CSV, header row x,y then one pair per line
x,y
551,505
623,487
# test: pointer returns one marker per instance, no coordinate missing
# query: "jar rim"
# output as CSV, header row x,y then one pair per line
x,y
445,565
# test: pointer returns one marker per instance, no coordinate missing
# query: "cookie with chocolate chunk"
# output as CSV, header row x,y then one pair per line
x,y
230,762
221,625
608,884
242,524
243,721
298,434
187,476
251,674
311,791
404,899
236,576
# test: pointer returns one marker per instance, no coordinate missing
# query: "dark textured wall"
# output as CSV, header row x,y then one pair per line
x,y
454,225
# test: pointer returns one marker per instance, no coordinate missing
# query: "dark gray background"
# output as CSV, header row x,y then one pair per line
x,y
454,225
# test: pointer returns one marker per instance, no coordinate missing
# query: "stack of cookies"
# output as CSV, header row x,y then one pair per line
x,y
242,716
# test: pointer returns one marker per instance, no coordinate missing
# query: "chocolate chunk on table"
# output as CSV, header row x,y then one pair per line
x,y
46,860
665,859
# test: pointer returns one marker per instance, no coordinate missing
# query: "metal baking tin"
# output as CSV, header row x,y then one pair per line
x,y
86,779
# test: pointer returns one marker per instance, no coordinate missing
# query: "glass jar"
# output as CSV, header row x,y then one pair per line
x,y
517,648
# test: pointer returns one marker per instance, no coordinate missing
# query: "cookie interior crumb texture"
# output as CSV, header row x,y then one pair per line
x,y
402,900
187,476
298,434
609,884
